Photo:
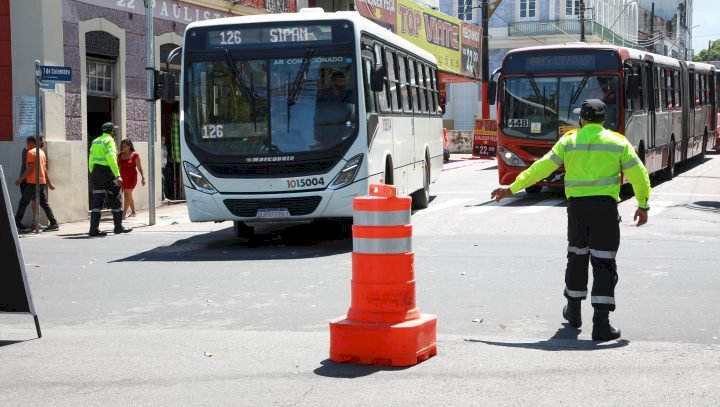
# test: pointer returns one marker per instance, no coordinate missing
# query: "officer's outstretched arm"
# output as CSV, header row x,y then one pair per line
x,y
541,169
636,173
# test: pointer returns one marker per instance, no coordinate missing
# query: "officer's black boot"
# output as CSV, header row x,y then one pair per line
x,y
602,330
571,312
95,225
119,228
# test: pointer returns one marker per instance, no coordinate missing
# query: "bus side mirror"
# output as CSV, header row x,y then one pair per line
x,y
633,85
377,80
491,96
165,87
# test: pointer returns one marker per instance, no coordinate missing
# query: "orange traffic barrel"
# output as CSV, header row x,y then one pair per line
x,y
383,325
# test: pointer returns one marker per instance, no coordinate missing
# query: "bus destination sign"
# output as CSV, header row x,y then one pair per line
x,y
238,37
555,62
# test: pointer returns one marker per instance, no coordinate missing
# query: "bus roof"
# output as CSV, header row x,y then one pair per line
x,y
361,24
623,52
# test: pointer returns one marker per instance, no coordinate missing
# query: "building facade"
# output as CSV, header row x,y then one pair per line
x,y
665,27
104,43
524,23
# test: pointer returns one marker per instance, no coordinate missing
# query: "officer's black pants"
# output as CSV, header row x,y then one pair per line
x,y
103,183
593,236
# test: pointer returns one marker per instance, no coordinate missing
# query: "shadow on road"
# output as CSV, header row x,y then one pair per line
x,y
351,371
296,242
565,339
6,343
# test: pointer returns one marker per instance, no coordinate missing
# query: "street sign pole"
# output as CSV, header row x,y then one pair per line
x,y
36,214
150,68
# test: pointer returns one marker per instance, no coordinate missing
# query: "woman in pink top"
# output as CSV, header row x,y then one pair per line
x,y
129,163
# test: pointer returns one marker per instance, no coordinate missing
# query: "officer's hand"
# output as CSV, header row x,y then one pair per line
x,y
641,216
500,193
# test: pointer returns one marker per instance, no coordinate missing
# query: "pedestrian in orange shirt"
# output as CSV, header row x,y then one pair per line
x,y
34,181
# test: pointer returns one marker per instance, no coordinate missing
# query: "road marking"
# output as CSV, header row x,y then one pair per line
x,y
441,206
541,206
658,206
490,205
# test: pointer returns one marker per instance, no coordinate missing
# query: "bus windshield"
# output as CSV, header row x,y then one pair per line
x,y
270,106
542,107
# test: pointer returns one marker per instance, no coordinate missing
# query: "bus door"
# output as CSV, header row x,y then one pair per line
x,y
651,85
692,112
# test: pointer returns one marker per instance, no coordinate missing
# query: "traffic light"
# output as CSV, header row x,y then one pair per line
x,y
165,86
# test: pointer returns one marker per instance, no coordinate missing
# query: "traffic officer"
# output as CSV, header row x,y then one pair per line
x,y
593,158
105,179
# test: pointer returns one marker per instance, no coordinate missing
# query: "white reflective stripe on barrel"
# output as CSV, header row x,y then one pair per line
x,y
381,218
382,246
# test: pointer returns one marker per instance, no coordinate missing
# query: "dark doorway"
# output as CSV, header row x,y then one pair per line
x,y
99,111
170,139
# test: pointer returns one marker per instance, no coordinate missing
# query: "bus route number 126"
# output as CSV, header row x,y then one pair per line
x,y
212,131
305,182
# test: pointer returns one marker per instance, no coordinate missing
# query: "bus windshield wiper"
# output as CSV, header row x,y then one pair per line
x,y
238,78
574,97
294,92
300,77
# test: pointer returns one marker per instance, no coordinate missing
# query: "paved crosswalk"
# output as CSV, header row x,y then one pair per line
x,y
520,205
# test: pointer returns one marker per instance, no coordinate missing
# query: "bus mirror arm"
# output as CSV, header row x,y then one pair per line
x,y
165,81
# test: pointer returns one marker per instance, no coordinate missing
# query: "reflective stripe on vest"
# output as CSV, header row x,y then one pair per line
x,y
556,159
381,218
610,148
593,183
382,246
631,163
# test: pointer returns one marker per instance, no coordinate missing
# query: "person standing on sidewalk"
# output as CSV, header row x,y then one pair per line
x,y
593,158
129,163
34,181
106,180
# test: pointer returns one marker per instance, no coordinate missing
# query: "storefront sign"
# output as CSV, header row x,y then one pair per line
x,y
174,10
471,42
485,138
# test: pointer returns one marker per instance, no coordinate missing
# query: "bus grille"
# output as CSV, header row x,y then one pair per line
x,y
248,208
266,169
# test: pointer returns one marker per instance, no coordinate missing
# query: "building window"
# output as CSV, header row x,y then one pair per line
x,y
527,9
100,78
465,10
572,7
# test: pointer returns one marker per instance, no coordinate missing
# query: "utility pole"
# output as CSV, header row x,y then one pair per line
x,y
652,27
150,69
485,63
582,21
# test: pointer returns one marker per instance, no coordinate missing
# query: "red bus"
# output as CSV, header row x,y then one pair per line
x,y
666,108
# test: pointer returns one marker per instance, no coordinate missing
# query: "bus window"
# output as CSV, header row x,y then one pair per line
x,y
422,94
635,101
656,85
412,79
384,96
393,84
404,85
370,104
676,89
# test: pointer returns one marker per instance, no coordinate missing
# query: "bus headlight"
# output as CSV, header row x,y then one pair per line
x,y
347,174
198,180
511,159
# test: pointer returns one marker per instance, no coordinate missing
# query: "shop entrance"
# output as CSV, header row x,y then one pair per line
x,y
170,139
99,111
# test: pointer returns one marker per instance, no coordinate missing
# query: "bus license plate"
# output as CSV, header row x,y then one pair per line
x,y
273,213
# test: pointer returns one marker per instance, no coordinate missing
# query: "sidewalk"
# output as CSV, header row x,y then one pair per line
x,y
168,213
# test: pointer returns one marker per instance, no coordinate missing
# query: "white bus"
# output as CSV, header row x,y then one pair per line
x,y
287,117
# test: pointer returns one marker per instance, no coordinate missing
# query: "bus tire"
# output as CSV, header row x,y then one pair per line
x,y
241,229
421,197
533,189
670,169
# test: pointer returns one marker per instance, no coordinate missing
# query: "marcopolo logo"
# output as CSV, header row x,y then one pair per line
x,y
281,158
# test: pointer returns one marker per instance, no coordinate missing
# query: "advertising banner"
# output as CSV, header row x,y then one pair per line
x,y
485,138
431,30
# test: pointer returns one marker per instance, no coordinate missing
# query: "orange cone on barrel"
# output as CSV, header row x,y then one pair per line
x,y
383,325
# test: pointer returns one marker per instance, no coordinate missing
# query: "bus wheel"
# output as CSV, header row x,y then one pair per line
x,y
241,229
533,189
670,169
421,197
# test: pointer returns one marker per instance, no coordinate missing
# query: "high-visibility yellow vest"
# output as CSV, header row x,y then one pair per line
x,y
593,158
104,152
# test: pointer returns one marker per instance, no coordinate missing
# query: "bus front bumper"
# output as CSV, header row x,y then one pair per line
x,y
292,207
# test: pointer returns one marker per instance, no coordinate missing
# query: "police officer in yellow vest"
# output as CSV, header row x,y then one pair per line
x,y
593,158
105,179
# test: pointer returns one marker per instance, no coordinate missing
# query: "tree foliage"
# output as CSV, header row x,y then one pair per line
x,y
713,54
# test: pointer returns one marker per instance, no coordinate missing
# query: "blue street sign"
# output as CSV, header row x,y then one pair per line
x,y
55,73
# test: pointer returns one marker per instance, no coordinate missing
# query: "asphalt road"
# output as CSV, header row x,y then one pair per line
x,y
186,314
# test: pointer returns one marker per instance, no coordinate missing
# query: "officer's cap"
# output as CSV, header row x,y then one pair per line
x,y
593,110
109,126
